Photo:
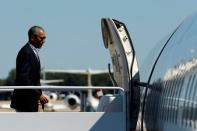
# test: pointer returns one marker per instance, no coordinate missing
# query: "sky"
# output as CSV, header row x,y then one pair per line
x,y
73,29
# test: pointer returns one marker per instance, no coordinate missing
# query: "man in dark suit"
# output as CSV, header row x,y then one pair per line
x,y
28,73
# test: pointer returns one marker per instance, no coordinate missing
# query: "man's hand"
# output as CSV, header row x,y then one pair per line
x,y
43,100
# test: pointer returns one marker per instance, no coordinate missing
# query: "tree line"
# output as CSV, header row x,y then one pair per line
x,y
69,79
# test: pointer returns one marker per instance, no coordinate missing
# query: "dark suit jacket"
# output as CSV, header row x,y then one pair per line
x,y
27,74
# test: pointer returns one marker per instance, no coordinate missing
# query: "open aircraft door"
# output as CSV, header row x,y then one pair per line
x,y
125,69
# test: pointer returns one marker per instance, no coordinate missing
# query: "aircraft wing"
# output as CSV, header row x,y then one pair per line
x,y
51,81
75,71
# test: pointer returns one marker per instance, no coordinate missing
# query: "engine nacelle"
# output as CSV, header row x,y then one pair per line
x,y
53,96
72,101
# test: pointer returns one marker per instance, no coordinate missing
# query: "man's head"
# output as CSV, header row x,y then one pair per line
x,y
36,36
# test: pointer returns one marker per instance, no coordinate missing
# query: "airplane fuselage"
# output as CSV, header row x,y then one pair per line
x,y
170,71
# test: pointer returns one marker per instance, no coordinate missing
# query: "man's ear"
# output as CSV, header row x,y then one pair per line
x,y
32,38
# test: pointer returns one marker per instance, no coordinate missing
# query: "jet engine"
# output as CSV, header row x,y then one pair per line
x,y
53,96
72,101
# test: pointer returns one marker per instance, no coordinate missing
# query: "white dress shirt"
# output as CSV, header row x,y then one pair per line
x,y
35,51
